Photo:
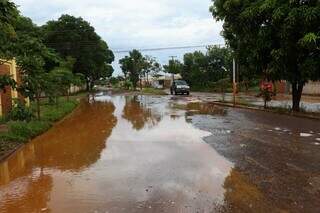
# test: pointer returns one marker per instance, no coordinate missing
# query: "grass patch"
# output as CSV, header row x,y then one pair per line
x,y
54,113
23,131
20,131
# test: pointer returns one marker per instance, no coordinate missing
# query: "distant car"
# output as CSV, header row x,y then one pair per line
x,y
180,87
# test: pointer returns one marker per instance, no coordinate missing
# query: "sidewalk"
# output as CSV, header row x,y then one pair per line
x,y
308,104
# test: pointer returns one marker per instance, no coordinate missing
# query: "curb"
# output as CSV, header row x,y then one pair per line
x,y
299,115
11,152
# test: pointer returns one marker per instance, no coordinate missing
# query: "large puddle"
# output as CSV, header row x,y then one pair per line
x,y
117,154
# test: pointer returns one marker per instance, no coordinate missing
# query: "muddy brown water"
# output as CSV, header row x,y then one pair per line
x,y
159,154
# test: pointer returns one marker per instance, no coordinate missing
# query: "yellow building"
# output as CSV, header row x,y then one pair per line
x,y
9,94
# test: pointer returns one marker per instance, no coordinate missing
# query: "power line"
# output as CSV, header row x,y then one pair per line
x,y
66,45
167,48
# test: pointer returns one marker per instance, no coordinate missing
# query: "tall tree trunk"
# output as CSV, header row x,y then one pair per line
x,y
148,79
88,85
140,83
297,88
38,104
68,95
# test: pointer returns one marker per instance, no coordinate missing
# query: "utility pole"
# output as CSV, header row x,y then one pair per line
x,y
172,58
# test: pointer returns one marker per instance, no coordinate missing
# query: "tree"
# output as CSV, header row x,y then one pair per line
x,y
31,55
33,74
202,70
60,81
219,63
281,38
8,17
150,66
132,66
173,67
71,36
7,80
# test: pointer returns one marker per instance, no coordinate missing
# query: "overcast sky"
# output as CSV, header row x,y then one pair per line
x,y
128,24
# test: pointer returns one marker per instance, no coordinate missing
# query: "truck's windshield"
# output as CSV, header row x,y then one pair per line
x,y
180,82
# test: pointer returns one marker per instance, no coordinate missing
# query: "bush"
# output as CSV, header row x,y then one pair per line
x,y
128,85
20,112
24,130
21,131
266,94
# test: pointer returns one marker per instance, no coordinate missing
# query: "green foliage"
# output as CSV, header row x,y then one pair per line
x,y
114,81
173,67
32,56
266,94
202,70
277,40
20,112
8,17
132,66
22,131
150,67
128,85
223,84
74,37
6,80
59,80
8,13
54,113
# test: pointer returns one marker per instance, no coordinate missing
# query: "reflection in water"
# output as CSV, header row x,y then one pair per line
x,y
71,145
198,108
138,113
166,167
77,142
32,194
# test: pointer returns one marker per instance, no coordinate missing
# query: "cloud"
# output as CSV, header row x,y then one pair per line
x,y
130,24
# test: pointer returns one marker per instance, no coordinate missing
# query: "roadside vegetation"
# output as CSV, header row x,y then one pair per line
x,y
135,67
51,60
22,123
58,49
275,40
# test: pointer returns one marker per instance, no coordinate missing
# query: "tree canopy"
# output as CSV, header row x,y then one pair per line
x,y
200,69
8,17
150,67
278,39
173,67
75,37
132,66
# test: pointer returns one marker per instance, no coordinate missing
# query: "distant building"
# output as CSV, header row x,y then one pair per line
x,y
9,94
164,81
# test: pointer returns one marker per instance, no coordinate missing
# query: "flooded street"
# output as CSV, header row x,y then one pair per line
x,y
166,154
